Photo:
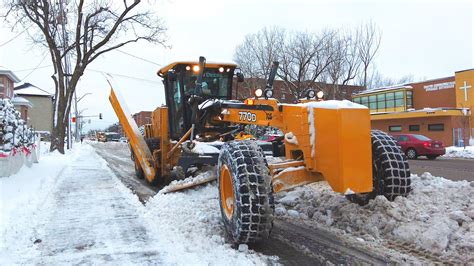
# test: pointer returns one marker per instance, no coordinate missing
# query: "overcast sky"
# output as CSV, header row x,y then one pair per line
x,y
427,39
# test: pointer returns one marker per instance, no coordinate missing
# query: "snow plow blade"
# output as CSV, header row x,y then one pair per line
x,y
188,183
137,142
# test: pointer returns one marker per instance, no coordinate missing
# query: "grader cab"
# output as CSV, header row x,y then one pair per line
x,y
323,140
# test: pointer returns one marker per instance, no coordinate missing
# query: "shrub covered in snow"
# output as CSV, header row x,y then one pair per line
x,y
14,133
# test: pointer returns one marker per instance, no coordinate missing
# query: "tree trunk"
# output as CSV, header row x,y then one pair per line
x,y
60,122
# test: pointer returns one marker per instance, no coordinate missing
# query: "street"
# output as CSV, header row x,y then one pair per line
x,y
293,241
454,169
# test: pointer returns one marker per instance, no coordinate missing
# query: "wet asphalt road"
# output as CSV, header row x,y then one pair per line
x,y
454,169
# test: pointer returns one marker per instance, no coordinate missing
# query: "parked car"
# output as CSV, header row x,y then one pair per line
x,y
123,139
414,145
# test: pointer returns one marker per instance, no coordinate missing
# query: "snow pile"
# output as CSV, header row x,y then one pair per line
x,y
205,147
189,227
460,152
437,215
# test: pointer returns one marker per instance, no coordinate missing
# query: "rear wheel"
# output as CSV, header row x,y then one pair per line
x,y
432,157
411,154
245,192
390,170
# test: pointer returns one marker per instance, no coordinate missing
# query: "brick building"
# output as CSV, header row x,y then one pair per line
x,y
440,109
7,79
142,118
283,94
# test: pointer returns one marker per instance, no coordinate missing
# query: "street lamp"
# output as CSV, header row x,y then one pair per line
x,y
76,100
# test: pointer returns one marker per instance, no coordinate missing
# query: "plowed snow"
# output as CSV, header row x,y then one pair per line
x,y
437,215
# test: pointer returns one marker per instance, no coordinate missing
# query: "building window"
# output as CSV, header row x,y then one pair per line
x,y
399,99
414,127
390,99
409,99
436,127
381,102
397,128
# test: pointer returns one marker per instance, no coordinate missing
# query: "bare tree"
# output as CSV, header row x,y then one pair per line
x,y
377,80
369,37
303,59
79,32
256,54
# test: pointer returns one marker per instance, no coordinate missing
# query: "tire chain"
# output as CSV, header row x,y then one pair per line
x,y
255,199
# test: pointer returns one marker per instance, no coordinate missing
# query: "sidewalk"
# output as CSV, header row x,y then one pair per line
x,y
89,217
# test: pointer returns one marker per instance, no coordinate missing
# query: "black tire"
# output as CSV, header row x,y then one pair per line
x,y
412,154
138,170
390,170
253,206
153,144
431,157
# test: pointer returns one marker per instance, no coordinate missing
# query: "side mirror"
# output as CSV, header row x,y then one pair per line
x,y
240,77
172,76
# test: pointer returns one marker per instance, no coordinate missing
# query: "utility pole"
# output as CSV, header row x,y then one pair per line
x,y
66,66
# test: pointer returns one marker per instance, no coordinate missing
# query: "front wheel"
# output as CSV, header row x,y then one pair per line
x,y
245,192
390,170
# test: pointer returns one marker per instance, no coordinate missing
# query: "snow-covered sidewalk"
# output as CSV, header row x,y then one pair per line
x,y
79,212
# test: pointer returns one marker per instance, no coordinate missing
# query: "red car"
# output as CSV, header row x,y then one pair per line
x,y
414,145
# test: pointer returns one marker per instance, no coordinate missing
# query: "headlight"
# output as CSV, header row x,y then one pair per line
x,y
320,94
268,93
310,94
196,68
221,69
258,93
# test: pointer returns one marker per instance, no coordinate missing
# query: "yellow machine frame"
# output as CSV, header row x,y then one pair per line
x,y
322,142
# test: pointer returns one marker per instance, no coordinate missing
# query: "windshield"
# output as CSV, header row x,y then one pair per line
x,y
421,137
214,84
112,135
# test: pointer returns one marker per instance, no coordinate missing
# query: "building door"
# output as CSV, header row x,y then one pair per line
x,y
458,137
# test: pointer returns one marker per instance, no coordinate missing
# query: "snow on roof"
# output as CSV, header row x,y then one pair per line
x,y
32,91
386,88
20,101
10,75
333,104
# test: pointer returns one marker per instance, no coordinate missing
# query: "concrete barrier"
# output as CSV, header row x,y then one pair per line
x,y
11,163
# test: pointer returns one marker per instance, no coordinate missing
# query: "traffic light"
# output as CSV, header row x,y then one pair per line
x,y
73,119
100,115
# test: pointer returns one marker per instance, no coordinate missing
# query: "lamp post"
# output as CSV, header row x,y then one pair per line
x,y
77,100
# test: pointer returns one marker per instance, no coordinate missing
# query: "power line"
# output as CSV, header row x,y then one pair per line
x,y
16,36
122,75
137,57
28,69
34,69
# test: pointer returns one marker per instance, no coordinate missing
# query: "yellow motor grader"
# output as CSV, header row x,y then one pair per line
x,y
323,140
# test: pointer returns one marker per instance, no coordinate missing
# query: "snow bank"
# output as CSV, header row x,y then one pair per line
x,y
460,152
190,230
436,216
